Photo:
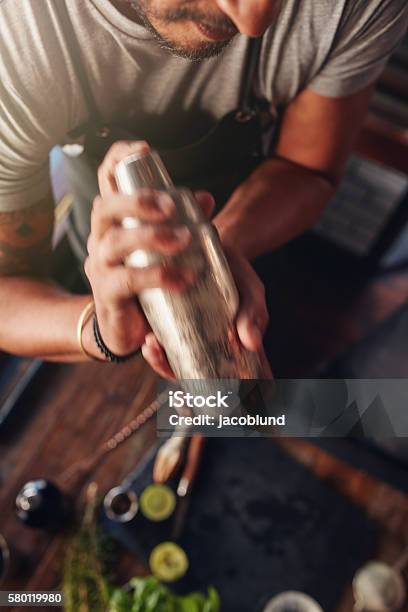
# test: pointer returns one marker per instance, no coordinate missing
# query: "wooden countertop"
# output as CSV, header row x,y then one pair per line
x,y
77,407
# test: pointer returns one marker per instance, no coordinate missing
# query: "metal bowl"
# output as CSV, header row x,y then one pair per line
x,y
292,601
379,587
121,505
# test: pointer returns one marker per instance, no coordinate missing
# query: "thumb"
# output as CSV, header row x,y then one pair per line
x,y
249,331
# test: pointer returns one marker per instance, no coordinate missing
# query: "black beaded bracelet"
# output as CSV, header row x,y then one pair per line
x,y
104,349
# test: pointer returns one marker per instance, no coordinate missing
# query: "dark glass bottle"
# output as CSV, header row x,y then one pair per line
x,y
40,505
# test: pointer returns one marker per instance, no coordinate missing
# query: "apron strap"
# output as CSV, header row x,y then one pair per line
x,y
75,53
247,103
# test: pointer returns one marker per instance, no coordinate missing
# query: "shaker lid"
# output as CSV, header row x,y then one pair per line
x,y
144,169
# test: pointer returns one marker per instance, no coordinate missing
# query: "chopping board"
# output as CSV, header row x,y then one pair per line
x,y
258,524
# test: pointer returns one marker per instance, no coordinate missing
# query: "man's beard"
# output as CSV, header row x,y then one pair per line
x,y
205,51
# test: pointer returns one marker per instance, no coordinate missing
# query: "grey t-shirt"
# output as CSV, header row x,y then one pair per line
x,y
334,47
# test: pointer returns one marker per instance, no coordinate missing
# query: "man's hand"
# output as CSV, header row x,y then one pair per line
x,y
115,285
251,321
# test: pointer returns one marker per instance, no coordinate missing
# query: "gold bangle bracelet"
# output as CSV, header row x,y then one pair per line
x,y
84,317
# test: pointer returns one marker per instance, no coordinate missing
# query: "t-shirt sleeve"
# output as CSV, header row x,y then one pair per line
x,y
24,148
368,34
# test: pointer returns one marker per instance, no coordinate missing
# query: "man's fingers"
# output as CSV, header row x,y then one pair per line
x,y
118,243
253,316
118,152
206,201
156,357
131,281
265,365
249,333
145,205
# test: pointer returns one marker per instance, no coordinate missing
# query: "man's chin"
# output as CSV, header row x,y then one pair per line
x,y
194,50
204,51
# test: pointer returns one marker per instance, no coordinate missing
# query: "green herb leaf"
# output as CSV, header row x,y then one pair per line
x,y
120,601
188,604
213,603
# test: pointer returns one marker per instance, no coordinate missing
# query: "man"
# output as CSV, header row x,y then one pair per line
x,y
174,68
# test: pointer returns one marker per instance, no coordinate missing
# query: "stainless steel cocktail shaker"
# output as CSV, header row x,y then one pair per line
x,y
195,327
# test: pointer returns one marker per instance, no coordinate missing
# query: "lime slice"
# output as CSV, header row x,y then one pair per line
x,y
157,502
168,562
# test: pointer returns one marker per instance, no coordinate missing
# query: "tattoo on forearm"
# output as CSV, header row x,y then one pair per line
x,y
25,240
31,214
33,260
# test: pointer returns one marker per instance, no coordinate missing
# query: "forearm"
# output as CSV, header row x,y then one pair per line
x,y
278,202
39,319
